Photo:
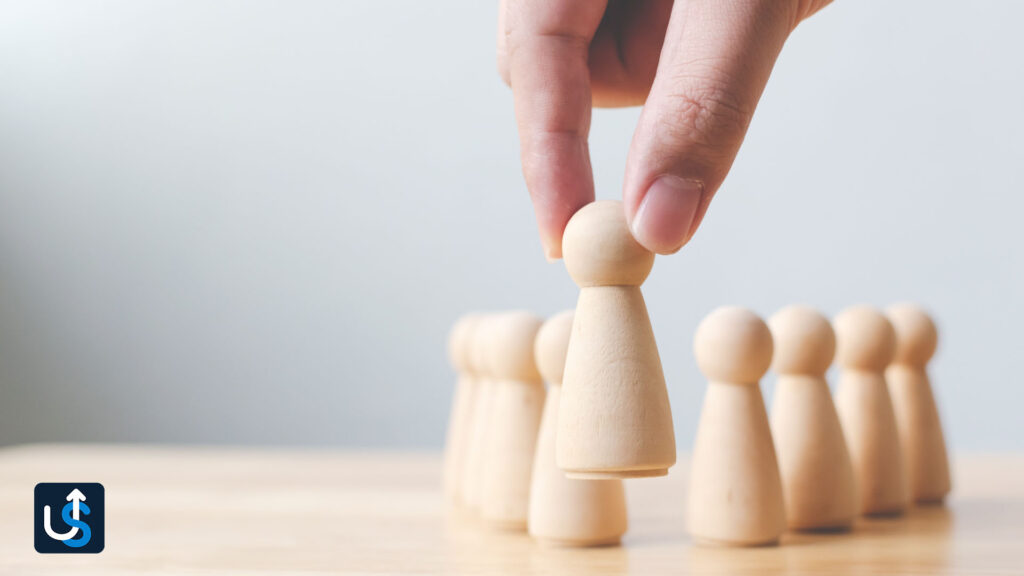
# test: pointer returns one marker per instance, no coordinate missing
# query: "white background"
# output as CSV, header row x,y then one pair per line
x,y
253,222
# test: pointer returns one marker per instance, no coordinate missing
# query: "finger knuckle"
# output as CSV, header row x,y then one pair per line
x,y
709,116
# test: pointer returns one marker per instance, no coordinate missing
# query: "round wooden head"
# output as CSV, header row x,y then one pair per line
x,y
599,249
916,334
551,346
459,341
509,349
804,341
865,339
476,349
733,345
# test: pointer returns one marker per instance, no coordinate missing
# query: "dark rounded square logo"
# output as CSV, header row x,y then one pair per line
x,y
69,518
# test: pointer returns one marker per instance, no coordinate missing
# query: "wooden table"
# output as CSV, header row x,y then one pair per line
x,y
207,511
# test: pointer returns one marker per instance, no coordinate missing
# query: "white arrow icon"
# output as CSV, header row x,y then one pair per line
x,y
75,497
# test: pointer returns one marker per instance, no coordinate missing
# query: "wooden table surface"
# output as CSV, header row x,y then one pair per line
x,y
206,511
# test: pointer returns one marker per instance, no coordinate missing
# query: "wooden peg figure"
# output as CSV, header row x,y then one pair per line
x,y
478,425
817,475
614,417
517,403
564,511
865,343
457,438
917,416
735,490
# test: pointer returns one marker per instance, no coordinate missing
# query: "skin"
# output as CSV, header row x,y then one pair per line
x,y
698,67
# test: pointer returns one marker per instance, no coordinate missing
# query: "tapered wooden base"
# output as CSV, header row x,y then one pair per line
x,y
569,543
456,439
837,529
508,458
613,474
714,543
735,489
614,420
814,461
869,423
505,525
478,426
921,437
571,512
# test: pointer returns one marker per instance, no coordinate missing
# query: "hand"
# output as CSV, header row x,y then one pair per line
x,y
697,66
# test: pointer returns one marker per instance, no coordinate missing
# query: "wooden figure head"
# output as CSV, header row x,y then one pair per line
x,y
509,354
865,339
599,249
477,347
916,334
804,341
733,345
460,340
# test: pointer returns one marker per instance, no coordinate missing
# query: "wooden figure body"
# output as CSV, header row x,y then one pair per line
x,y
478,422
565,511
517,403
614,417
917,416
735,489
817,475
457,438
865,342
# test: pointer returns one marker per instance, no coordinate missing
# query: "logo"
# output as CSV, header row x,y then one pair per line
x,y
69,518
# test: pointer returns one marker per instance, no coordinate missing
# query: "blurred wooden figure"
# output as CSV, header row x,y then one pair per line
x,y
614,420
457,438
865,343
735,490
478,423
917,416
517,403
814,462
565,511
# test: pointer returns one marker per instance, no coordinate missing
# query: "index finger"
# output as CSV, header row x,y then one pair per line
x,y
546,44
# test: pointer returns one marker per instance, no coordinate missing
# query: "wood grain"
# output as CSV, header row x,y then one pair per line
x,y
213,511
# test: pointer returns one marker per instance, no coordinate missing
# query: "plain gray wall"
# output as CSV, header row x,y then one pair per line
x,y
253,222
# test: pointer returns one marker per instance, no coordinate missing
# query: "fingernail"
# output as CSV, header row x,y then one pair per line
x,y
662,222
